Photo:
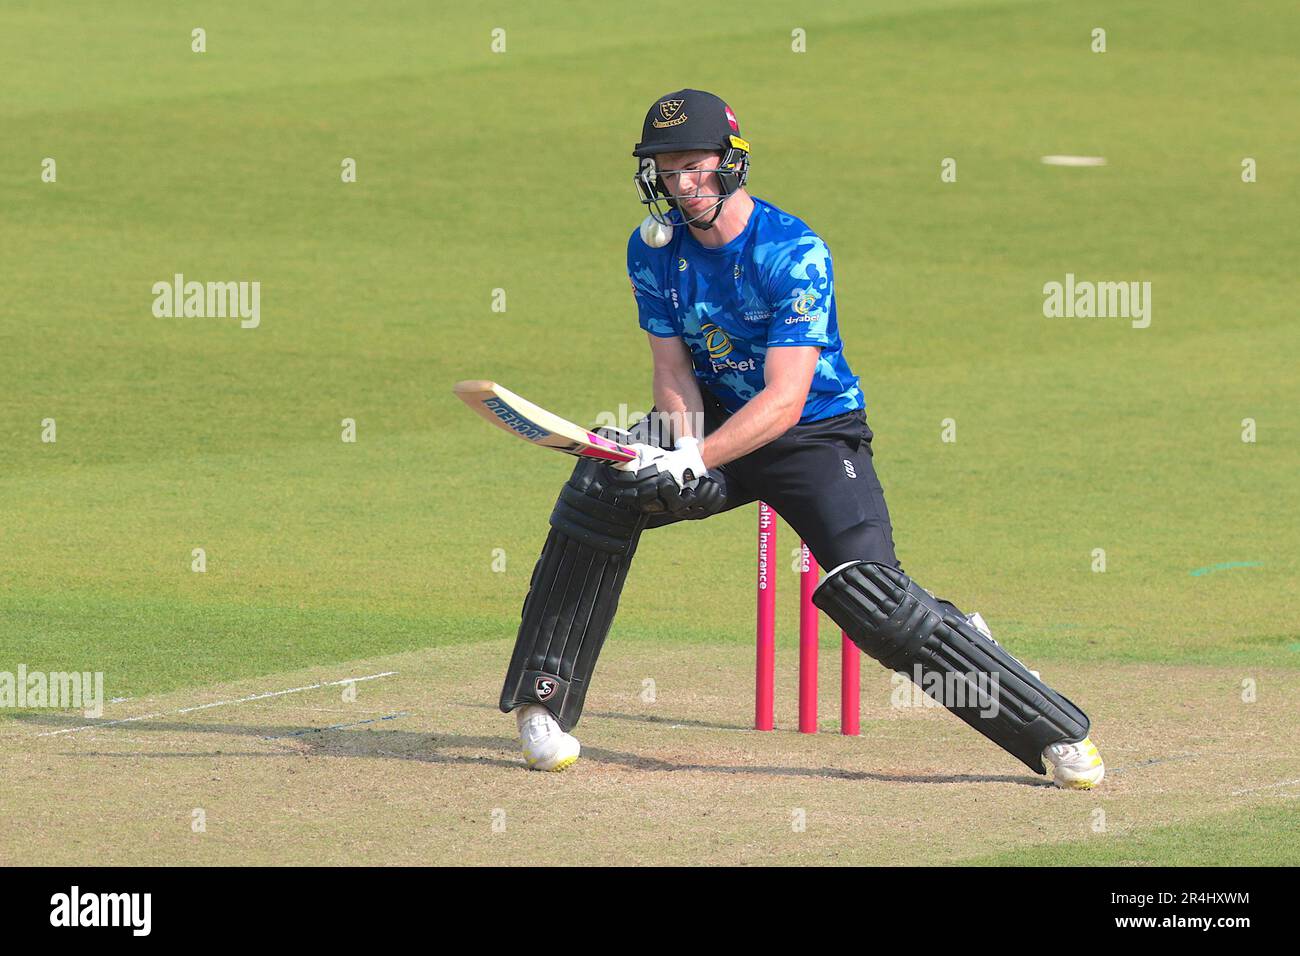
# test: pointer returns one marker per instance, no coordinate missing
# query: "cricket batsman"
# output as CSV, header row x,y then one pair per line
x,y
753,400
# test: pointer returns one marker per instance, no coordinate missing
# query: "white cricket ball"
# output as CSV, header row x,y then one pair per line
x,y
655,234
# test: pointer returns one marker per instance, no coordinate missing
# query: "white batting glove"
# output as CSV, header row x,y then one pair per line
x,y
684,463
645,455
688,452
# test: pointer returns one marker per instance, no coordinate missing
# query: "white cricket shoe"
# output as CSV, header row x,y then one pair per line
x,y
1075,766
545,745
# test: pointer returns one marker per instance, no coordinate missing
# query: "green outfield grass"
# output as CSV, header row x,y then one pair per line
x,y
1258,836
479,171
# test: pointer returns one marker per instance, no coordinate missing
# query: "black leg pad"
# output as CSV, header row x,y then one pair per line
x,y
904,627
572,596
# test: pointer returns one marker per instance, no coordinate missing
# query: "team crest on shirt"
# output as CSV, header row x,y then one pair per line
x,y
716,340
719,346
681,265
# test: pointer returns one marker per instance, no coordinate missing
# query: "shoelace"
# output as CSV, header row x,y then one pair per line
x,y
530,724
1066,751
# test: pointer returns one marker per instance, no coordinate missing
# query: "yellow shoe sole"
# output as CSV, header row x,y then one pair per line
x,y
566,762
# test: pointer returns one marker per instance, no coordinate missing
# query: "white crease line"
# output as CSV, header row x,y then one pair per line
x,y
219,703
1271,786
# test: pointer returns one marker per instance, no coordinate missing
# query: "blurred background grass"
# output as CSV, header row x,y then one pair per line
x,y
480,171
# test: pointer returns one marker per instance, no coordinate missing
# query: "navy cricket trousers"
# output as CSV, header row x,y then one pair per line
x,y
818,476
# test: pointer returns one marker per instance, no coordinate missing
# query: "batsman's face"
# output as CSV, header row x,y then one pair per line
x,y
691,174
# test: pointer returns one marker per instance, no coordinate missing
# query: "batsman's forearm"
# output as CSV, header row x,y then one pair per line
x,y
679,399
768,415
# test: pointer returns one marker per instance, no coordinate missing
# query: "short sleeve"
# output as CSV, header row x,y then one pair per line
x,y
652,310
801,289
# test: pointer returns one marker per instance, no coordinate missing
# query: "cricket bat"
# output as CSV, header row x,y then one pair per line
x,y
517,415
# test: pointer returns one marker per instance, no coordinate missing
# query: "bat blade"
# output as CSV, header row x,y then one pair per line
x,y
512,413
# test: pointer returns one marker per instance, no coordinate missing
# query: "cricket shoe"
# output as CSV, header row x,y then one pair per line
x,y
1075,766
545,745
